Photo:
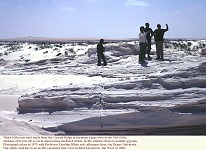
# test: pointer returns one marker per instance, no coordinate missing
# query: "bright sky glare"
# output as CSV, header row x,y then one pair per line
x,y
100,18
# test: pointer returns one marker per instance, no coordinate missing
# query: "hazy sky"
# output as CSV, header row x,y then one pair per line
x,y
100,18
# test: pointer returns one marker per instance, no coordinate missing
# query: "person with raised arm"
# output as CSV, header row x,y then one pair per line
x,y
159,39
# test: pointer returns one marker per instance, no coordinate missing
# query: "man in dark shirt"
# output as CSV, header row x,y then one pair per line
x,y
159,39
100,53
149,37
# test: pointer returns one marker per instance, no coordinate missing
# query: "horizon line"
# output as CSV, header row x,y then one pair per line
x,y
67,39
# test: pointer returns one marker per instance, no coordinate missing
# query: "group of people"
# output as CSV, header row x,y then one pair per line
x,y
145,37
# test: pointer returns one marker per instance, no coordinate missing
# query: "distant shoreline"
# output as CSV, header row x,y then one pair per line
x,y
76,40
61,40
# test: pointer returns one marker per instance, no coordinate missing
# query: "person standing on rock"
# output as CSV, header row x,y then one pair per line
x,y
100,53
149,39
159,39
142,44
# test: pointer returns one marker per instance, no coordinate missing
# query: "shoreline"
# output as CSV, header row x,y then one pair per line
x,y
48,40
62,40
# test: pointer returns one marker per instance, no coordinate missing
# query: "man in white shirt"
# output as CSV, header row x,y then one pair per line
x,y
142,44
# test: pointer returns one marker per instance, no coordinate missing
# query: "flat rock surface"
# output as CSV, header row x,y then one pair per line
x,y
58,87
